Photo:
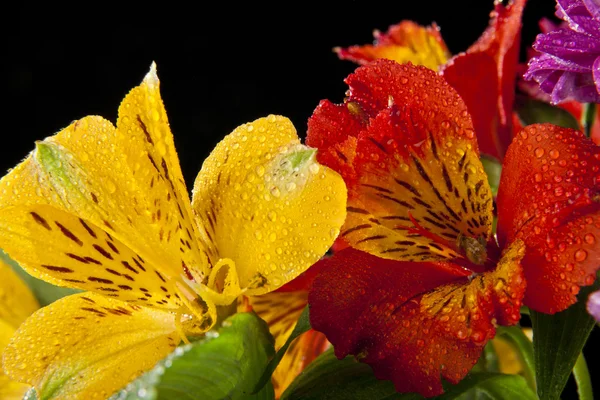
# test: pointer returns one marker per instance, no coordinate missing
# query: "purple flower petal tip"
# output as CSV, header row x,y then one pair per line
x,y
569,65
593,305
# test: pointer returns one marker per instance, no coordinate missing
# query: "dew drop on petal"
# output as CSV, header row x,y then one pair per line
x,y
580,255
539,152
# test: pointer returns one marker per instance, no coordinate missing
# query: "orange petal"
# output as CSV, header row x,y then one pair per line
x,y
404,42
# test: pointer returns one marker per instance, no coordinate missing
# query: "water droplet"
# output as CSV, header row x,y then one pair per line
x,y
539,152
404,167
258,235
538,177
273,236
110,186
275,192
554,154
574,289
580,255
260,170
314,168
461,334
155,115
279,251
272,216
290,186
334,233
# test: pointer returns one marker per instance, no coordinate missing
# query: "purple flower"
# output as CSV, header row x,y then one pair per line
x,y
568,67
593,305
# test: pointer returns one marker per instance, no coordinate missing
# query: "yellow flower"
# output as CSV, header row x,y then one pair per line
x,y
16,304
106,209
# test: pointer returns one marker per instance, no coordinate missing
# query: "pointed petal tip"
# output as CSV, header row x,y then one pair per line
x,y
151,77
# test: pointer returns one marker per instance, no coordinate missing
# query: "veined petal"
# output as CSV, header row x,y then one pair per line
x,y
303,350
281,311
87,346
549,198
415,166
491,113
110,204
267,204
65,250
414,322
404,42
16,300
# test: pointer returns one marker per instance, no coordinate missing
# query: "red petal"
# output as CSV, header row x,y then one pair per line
x,y
414,160
491,113
549,197
332,129
413,322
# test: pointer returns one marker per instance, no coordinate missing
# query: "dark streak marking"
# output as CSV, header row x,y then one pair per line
x,y
378,188
356,210
112,247
461,162
393,250
100,280
112,271
396,217
129,267
435,223
138,264
94,197
101,250
421,202
356,228
69,234
58,269
40,220
160,276
447,179
379,145
125,287
367,239
395,200
342,156
143,126
76,257
408,187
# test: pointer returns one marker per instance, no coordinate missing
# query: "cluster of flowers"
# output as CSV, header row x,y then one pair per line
x,y
420,276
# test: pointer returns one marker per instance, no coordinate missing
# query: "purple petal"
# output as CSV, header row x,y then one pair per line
x,y
593,7
567,10
596,73
579,48
550,63
593,305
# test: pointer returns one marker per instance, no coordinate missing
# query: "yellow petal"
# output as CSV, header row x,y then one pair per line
x,y
87,346
267,204
9,389
441,187
16,300
63,249
125,184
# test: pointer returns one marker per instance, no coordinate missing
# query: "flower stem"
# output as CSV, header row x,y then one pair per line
x,y
587,118
582,378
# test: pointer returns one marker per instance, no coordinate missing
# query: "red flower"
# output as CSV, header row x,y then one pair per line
x,y
423,284
484,75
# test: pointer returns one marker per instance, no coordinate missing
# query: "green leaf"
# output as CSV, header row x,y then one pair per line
x,y
534,111
488,362
44,292
557,342
582,378
328,378
487,385
493,169
225,365
521,343
303,325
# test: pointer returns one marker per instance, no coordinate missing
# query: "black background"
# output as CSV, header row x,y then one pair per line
x,y
220,65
